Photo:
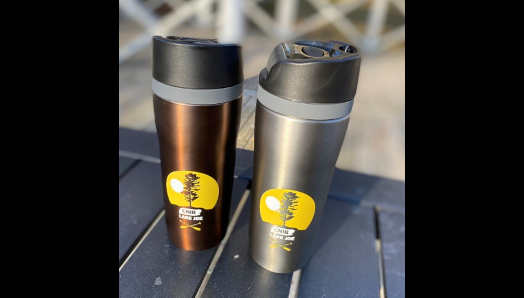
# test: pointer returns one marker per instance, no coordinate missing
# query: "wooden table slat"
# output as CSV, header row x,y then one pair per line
x,y
124,164
345,262
160,269
247,122
251,83
140,201
393,236
368,190
241,276
244,164
138,142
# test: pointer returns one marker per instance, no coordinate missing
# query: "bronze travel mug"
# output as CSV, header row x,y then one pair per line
x,y
197,97
305,96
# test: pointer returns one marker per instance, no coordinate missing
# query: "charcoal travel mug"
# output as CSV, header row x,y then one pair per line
x,y
197,98
305,95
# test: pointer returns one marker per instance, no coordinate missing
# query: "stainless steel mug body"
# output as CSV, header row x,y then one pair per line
x,y
188,142
297,143
197,104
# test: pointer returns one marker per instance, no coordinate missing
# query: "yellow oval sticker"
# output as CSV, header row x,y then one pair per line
x,y
192,189
288,208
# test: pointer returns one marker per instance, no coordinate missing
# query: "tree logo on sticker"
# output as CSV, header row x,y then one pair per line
x,y
193,190
287,210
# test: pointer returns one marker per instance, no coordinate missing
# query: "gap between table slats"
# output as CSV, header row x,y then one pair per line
x,y
140,239
223,243
378,243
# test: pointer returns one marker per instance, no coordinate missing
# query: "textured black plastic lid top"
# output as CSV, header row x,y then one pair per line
x,y
312,72
195,63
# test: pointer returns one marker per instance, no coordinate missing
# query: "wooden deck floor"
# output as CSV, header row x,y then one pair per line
x,y
375,140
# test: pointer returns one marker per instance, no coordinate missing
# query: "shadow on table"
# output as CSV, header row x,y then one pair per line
x,y
333,218
351,186
367,190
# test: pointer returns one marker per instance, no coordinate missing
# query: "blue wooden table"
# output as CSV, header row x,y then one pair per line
x,y
359,252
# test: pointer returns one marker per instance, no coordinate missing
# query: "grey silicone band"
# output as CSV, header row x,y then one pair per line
x,y
197,96
312,111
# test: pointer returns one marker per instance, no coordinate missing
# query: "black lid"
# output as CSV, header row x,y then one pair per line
x,y
312,71
195,63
